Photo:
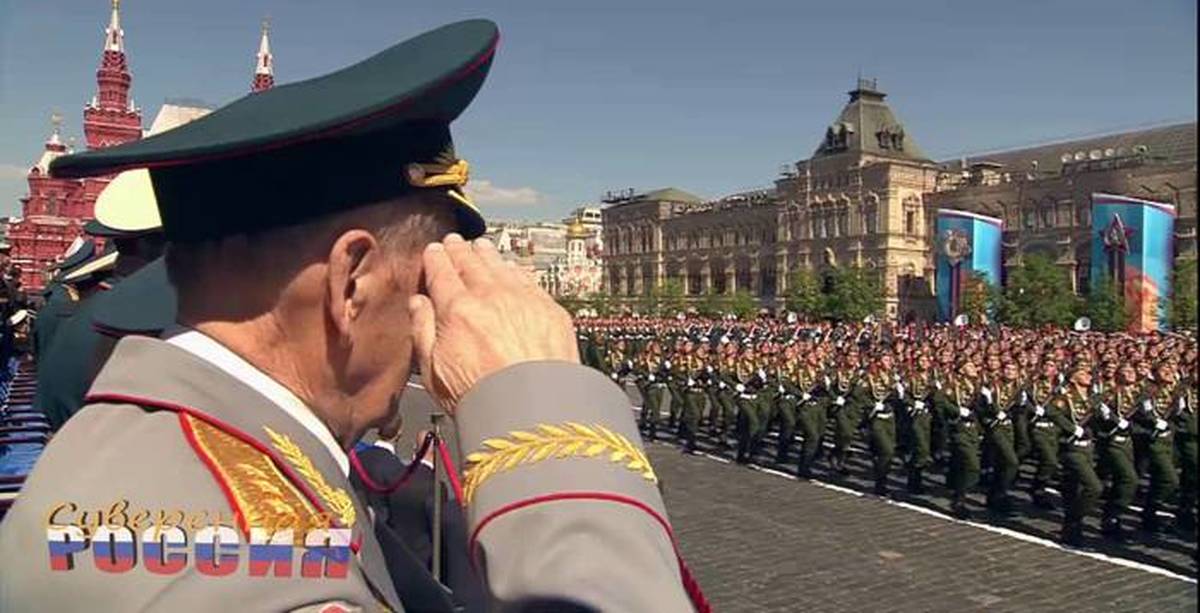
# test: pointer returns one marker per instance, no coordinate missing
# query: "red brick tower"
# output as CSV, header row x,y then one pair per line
x,y
54,211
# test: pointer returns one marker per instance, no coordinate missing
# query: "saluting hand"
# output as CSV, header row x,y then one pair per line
x,y
480,316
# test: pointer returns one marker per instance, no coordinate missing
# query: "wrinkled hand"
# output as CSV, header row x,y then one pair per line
x,y
481,315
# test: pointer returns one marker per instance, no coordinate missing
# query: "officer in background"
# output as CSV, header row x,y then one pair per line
x,y
60,299
127,217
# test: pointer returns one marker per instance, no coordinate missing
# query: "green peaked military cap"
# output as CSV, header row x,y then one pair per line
x,y
80,255
364,134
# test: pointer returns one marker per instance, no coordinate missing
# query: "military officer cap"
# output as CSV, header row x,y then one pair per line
x,y
98,265
126,208
79,252
374,131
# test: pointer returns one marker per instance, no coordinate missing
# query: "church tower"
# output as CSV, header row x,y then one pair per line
x,y
111,117
264,69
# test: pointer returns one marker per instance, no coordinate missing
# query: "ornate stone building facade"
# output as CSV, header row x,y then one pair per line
x,y
1043,194
868,198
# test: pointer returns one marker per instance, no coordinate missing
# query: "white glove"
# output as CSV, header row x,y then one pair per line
x,y
740,388
667,363
1105,412
964,412
1001,416
805,397
828,382
652,378
919,404
878,407
986,393
1039,411
720,385
780,389
900,390
614,376
690,382
937,384
629,363
840,401
708,369
1123,424
1078,432
1146,406
762,375
1160,425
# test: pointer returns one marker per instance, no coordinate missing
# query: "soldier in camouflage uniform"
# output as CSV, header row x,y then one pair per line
x,y
694,395
920,386
999,400
880,394
1159,405
958,411
1119,401
845,408
812,415
1043,436
1071,411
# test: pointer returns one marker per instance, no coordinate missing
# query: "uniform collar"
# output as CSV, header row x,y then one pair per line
x,y
208,349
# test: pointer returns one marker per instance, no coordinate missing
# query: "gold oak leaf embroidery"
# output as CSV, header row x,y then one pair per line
x,y
571,440
336,498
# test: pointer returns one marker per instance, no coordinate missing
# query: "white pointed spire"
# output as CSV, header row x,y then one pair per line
x,y
266,63
56,135
114,36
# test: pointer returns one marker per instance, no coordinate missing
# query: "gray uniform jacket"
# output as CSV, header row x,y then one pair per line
x,y
561,504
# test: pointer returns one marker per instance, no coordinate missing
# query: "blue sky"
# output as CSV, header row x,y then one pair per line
x,y
584,97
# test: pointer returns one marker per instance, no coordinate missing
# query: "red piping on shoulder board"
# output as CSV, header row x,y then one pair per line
x,y
226,428
331,131
690,585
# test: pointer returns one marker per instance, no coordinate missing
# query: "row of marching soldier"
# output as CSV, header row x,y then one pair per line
x,y
1087,413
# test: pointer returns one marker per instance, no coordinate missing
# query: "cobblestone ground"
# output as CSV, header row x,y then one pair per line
x,y
758,542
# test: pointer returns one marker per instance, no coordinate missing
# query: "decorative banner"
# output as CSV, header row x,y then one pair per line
x,y
966,243
1133,244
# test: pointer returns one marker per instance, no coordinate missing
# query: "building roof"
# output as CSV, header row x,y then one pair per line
x,y
868,125
1172,143
670,194
175,114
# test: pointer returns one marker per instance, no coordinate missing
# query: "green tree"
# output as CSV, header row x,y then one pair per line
x,y
602,303
743,305
712,304
1038,293
1183,296
1106,307
647,303
804,295
854,295
570,304
671,298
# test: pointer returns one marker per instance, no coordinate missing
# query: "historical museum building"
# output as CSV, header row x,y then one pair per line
x,y
54,211
868,197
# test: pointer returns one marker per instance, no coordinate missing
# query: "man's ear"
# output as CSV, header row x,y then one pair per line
x,y
355,276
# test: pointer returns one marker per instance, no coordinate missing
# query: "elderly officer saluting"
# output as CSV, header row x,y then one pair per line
x,y
304,224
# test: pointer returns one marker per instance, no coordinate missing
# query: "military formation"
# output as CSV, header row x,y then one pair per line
x,y
1091,414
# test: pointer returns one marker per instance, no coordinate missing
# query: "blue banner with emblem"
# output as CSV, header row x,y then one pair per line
x,y
1133,245
966,243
